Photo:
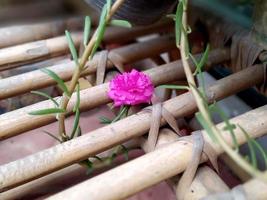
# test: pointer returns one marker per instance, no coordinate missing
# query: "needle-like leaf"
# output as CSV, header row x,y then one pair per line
x,y
46,96
87,30
122,23
72,47
47,111
56,78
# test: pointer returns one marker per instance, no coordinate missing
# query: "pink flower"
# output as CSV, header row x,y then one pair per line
x,y
131,88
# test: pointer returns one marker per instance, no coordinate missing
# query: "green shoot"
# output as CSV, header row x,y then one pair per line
x,y
229,127
48,111
175,87
100,30
123,112
76,123
105,120
87,30
51,135
178,23
56,78
72,48
46,96
122,23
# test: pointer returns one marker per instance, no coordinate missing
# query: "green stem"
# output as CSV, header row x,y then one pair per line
x,y
202,108
123,112
79,68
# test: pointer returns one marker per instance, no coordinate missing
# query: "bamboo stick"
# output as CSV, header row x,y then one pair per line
x,y
206,181
60,156
35,51
152,168
253,189
48,185
34,80
12,57
90,98
15,35
37,188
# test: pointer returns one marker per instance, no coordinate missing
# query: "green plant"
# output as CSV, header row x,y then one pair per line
x,y
205,111
90,45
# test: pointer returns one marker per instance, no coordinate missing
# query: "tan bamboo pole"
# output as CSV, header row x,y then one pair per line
x,y
48,185
35,51
19,34
206,182
60,156
253,189
90,98
201,185
154,167
34,80
39,187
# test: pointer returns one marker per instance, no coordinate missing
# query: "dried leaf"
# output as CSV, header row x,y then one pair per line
x,y
171,120
101,67
154,126
190,172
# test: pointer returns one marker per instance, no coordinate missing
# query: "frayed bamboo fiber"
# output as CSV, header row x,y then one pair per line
x,y
90,98
34,80
159,165
35,51
68,153
253,189
19,34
